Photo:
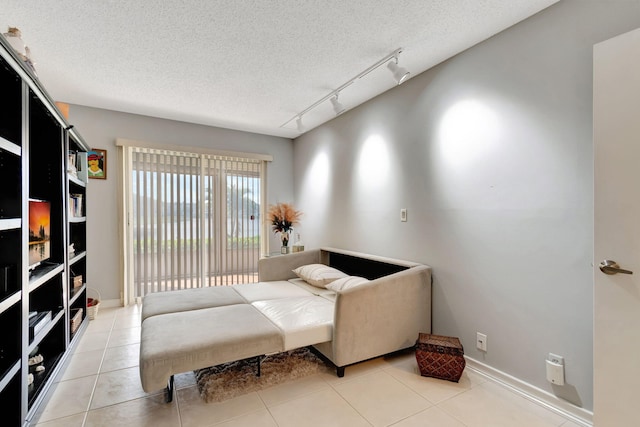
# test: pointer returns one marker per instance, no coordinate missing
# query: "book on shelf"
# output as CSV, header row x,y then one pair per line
x,y
38,321
75,205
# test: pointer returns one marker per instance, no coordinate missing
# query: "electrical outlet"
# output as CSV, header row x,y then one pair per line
x,y
481,341
555,369
554,358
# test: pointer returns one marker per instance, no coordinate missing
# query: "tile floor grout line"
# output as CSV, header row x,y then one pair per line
x,y
100,371
449,413
95,383
176,398
366,420
401,383
97,374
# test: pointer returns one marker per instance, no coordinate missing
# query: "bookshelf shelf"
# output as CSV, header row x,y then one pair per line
x,y
10,223
10,147
9,301
9,374
43,275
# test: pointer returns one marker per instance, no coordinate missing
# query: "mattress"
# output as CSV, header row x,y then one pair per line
x,y
303,321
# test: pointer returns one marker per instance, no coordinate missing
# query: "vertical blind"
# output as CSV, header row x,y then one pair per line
x,y
195,219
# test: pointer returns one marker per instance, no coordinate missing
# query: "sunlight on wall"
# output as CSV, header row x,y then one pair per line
x,y
373,163
314,196
468,131
373,193
318,175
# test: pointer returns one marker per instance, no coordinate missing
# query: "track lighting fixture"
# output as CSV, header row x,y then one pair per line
x,y
337,106
400,74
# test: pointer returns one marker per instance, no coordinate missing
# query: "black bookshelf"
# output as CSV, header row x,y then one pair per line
x,y
42,158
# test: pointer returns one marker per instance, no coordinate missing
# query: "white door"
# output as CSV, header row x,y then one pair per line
x,y
616,108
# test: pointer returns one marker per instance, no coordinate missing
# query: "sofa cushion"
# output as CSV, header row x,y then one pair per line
x,y
181,342
347,283
188,299
303,321
318,274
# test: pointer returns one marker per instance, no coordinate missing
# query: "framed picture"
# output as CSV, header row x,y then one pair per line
x,y
97,163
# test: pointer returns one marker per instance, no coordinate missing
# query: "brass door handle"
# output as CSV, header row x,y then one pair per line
x,y
612,267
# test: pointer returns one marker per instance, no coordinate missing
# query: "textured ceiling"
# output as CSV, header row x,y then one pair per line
x,y
241,64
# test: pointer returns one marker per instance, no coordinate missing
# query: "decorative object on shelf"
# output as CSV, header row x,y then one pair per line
x,y
283,216
36,360
36,364
76,320
97,161
298,246
284,237
14,37
72,169
77,281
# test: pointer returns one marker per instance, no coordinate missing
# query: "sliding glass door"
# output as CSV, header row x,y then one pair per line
x,y
194,219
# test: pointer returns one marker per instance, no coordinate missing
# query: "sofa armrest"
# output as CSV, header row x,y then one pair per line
x,y
280,267
382,316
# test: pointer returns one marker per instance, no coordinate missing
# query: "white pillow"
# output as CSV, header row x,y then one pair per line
x,y
318,275
347,283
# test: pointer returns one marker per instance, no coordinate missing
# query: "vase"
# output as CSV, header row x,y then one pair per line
x,y
284,236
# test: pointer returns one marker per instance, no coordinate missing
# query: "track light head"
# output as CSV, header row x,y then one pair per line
x,y
399,73
337,106
299,124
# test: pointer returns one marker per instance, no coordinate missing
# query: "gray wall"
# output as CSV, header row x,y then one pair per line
x,y
101,128
491,153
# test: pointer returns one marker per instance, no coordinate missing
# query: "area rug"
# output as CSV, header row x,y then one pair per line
x,y
222,382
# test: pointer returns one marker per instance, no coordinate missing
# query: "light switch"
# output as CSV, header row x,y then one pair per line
x,y
403,215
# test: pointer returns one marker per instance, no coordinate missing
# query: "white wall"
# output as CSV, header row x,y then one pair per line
x,y
101,128
491,153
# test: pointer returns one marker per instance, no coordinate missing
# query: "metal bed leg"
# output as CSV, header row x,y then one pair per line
x,y
259,360
169,390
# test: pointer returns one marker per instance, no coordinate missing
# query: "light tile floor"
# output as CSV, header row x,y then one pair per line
x,y
101,387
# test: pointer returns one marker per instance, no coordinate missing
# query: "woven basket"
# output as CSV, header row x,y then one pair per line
x,y
93,304
440,357
76,319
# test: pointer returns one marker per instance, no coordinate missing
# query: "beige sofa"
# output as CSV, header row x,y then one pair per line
x,y
196,328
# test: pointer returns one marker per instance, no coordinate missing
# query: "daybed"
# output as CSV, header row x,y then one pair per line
x,y
369,307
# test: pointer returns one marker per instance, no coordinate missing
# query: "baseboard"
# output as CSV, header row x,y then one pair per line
x,y
110,303
580,416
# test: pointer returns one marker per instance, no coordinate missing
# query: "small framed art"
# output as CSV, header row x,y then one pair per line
x,y
97,163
